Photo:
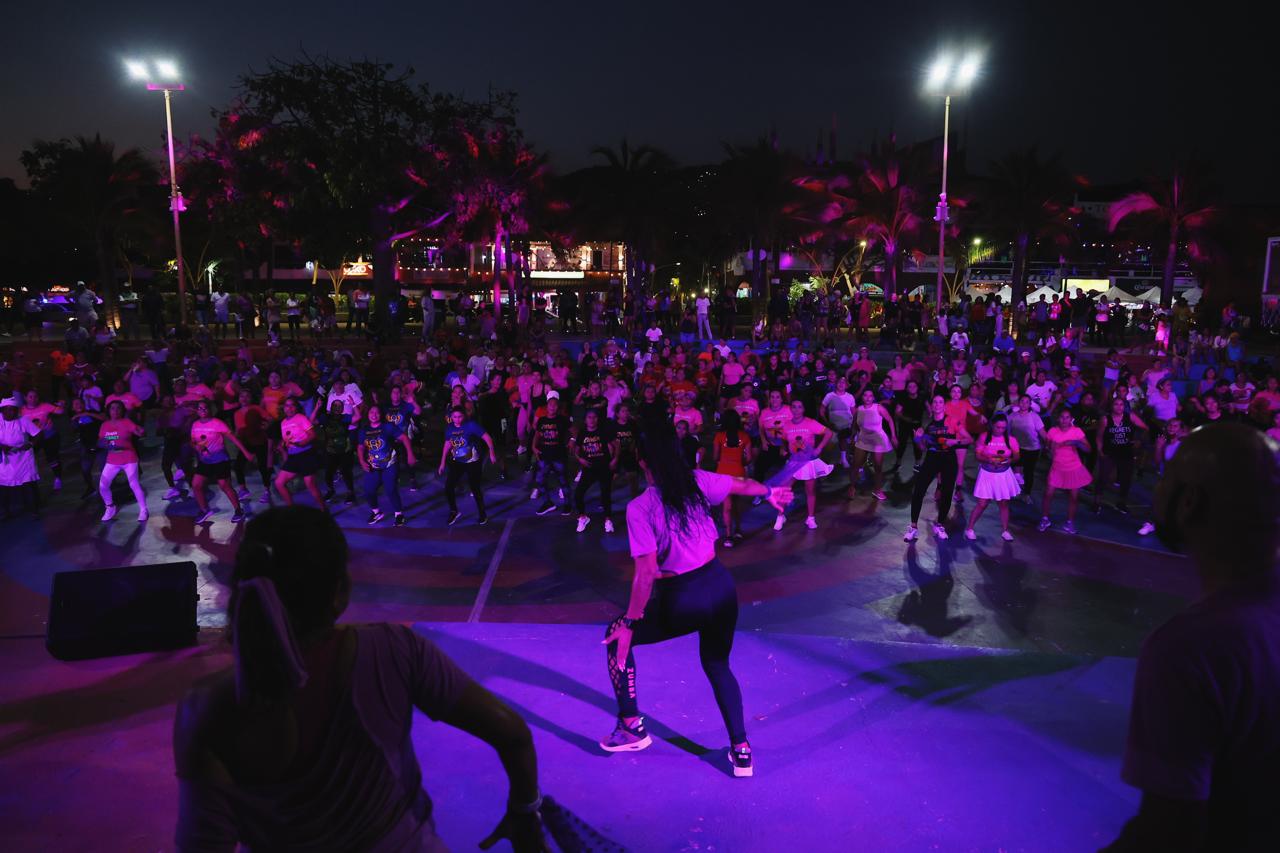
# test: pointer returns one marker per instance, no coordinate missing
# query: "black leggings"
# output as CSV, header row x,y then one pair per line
x,y
52,445
260,459
703,600
906,431
936,464
1118,462
176,451
591,475
769,461
1028,459
343,463
453,474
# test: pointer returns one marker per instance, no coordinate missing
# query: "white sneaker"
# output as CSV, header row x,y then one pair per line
x,y
1146,529
811,523
1006,535
520,450
608,525
939,532
911,535
265,499
57,484
583,521
243,494
969,534
533,496
110,512
173,494
781,520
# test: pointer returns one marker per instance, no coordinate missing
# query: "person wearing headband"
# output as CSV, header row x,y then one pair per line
x,y
305,742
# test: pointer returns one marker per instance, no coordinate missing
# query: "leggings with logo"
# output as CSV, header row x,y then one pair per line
x,y
704,601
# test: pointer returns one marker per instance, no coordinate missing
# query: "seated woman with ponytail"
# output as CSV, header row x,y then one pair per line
x,y
305,744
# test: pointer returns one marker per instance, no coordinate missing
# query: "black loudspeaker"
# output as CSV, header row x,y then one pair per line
x,y
102,612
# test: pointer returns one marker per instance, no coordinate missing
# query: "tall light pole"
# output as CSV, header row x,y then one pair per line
x,y
161,76
945,76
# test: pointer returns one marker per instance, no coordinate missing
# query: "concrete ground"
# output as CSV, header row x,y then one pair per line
x,y
944,695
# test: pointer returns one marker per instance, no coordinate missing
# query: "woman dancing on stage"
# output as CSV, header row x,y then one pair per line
x,y
938,438
673,543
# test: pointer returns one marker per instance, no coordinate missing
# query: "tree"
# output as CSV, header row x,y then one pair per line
x,y
362,143
766,205
889,204
97,195
1173,211
626,195
1028,200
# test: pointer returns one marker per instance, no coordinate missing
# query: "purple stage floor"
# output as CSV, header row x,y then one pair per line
x,y
947,695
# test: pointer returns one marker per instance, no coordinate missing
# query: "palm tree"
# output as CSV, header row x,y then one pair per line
x,y
1028,200
766,201
889,204
98,194
626,192
1174,211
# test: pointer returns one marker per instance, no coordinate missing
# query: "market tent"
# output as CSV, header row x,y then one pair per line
x,y
918,291
1149,295
1191,294
872,289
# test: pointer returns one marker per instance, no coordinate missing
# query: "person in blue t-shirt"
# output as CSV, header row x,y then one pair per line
x,y
460,456
376,449
401,412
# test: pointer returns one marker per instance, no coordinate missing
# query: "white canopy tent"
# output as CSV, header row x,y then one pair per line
x,y
918,291
1117,294
1191,294
1046,291
1149,295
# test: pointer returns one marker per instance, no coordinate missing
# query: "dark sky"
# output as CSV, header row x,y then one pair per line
x,y
1120,88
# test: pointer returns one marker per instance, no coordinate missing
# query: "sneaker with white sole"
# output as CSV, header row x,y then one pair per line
x,y
110,512
627,738
204,516
940,532
143,515
533,496
1006,535
243,493
608,525
880,496
173,494
454,515
1146,529
374,516
779,521
1044,524
265,499
1069,527
970,534
547,506
583,521
740,761
811,523
239,516
911,535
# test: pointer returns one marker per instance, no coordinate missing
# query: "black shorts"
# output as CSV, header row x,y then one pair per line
x,y
728,392
304,463
273,430
214,470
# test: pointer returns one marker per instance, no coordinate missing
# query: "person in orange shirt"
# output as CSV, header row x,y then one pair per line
x,y
732,454
59,363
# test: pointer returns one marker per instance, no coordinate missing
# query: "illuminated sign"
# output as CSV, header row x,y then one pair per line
x,y
359,268
1089,285
557,274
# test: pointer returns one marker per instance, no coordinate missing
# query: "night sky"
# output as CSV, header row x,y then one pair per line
x,y
1121,89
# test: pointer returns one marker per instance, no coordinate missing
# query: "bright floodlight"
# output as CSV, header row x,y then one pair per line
x,y
137,70
940,72
968,70
168,70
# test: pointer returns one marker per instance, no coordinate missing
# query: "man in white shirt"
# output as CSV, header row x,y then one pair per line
x,y
960,341
702,305
480,364
1042,391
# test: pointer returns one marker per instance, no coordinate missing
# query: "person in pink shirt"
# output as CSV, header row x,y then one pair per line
x,y
300,456
1066,469
41,414
803,440
687,413
209,437
116,436
121,392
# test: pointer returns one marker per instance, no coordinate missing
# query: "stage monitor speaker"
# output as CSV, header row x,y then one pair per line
x,y
103,612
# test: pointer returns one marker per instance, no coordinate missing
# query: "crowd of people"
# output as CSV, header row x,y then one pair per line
x,y
962,403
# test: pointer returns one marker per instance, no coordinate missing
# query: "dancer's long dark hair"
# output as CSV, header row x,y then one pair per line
x,y
731,423
660,449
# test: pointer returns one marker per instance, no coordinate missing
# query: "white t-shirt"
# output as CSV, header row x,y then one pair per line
x,y
1042,394
480,365
839,409
650,531
654,334
703,305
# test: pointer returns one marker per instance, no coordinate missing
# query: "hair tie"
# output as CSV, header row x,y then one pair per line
x,y
271,650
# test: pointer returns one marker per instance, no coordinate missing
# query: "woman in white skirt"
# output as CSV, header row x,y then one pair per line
x,y
996,451
803,440
872,438
18,474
